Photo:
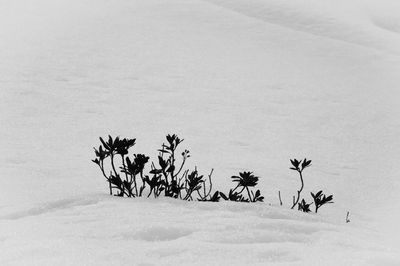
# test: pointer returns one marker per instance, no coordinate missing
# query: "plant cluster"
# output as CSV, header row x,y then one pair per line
x,y
244,181
319,198
126,175
117,147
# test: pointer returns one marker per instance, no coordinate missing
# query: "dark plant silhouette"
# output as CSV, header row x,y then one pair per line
x,y
304,206
173,185
204,192
234,196
109,149
321,199
193,183
126,176
299,166
214,198
168,177
244,181
132,169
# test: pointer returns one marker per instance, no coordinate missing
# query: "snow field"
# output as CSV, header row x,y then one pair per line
x,y
247,84
102,230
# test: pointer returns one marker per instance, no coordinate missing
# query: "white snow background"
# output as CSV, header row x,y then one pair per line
x,y
249,84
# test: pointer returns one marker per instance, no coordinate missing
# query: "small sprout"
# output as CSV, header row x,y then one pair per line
x,y
321,199
304,206
257,196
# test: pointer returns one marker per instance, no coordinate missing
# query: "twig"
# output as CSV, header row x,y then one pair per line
x,y
180,168
280,199
347,217
206,194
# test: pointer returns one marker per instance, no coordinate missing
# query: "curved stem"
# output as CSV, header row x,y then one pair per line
x,y
180,168
299,191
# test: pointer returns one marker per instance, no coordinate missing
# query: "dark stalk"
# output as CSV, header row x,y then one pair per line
x,y
248,192
123,164
300,190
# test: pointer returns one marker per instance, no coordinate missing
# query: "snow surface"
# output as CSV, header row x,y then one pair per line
x,y
248,84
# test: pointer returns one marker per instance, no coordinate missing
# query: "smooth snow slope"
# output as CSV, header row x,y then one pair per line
x,y
248,84
101,230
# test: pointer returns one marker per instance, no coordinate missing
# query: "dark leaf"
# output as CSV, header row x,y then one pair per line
x,y
162,162
223,196
155,171
295,163
329,198
170,169
104,144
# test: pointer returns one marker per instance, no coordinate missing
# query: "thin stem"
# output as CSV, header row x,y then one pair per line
x,y
112,164
205,193
280,199
134,182
116,174
173,164
248,192
236,188
347,217
301,189
166,179
123,164
180,168
143,183
210,180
